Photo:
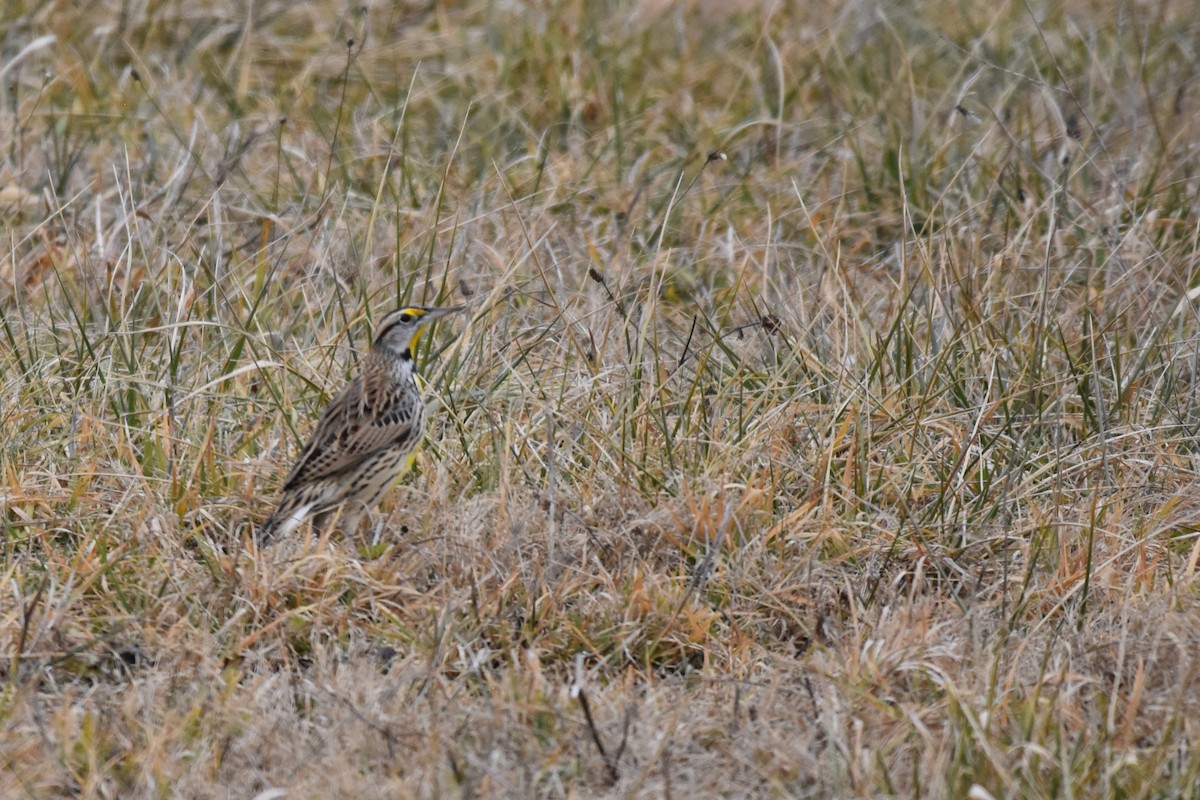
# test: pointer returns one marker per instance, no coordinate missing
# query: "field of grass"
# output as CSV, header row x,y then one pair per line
x,y
824,423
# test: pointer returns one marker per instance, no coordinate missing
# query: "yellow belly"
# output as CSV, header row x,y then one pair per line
x,y
409,460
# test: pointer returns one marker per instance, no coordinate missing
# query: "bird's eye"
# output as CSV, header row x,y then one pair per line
x,y
406,318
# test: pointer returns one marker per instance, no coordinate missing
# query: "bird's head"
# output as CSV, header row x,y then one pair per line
x,y
400,329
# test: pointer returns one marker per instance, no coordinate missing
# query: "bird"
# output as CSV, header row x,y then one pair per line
x,y
367,437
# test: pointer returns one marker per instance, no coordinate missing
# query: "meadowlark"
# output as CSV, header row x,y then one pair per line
x,y
367,437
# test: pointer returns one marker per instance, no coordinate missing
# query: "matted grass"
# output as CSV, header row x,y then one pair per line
x,y
824,423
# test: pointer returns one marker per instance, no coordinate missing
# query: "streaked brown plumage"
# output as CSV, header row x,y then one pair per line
x,y
366,438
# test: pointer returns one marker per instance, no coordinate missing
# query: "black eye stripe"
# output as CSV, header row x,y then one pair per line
x,y
404,318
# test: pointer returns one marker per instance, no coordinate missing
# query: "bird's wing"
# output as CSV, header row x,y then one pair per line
x,y
351,430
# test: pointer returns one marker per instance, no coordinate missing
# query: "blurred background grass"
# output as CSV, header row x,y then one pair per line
x,y
824,423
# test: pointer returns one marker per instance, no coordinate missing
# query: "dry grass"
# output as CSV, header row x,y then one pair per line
x,y
861,463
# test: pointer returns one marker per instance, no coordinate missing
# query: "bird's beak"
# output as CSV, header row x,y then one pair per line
x,y
433,313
